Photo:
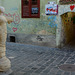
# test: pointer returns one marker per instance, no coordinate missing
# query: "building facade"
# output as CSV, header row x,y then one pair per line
x,y
65,31
39,30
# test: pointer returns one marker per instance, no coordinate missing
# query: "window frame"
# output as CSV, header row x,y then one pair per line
x,y
30,6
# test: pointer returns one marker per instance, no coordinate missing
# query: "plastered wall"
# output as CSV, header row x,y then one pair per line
x,y
28,25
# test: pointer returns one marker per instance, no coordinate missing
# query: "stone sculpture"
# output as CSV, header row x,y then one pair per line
x,y
5,63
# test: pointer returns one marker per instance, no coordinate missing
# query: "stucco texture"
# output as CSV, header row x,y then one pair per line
x,y
40,25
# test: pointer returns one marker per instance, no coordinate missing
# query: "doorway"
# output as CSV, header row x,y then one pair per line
x,y
68,26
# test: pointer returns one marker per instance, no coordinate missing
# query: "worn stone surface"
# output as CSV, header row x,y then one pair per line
x,y
6,72
33,39
39,60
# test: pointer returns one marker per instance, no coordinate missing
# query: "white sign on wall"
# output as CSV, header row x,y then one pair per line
x,y
51,9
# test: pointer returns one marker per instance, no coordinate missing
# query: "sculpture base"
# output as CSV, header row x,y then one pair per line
x,y
5,64
6,72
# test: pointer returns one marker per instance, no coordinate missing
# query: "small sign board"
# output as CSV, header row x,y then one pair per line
x,y
34,10
51,9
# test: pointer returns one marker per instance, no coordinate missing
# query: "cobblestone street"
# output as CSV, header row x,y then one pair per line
x,y
39,60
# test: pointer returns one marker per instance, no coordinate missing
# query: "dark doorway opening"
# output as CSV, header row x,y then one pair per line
x,y
12,38
68,26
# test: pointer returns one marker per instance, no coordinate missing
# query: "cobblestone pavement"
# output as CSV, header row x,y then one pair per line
x,y
39,60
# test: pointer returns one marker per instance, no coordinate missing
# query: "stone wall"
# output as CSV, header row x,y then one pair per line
x,y
41,40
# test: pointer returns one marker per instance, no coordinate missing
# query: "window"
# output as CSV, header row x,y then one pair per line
x,y
34,2
26,2
30,8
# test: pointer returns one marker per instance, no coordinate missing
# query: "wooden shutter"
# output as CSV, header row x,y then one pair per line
x,y
30,8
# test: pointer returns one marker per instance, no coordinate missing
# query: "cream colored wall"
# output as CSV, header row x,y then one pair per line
x,y
28,25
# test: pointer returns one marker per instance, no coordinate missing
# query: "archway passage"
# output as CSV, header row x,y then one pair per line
x,y
68,26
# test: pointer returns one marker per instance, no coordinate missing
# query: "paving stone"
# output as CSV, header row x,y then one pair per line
x,y
34,73
6,73
59,72
44,74
72,73
26,73
38,60
52,73
66,73
40,69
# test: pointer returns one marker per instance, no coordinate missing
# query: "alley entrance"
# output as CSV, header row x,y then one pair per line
x,y
68,27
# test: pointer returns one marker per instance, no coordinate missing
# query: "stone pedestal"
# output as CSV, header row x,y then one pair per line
x,y
6,72
4,64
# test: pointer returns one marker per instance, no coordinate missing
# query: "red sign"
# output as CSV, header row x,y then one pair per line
x,y
51,10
